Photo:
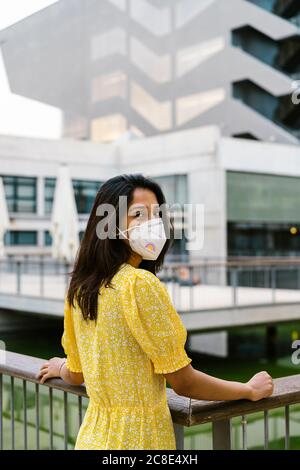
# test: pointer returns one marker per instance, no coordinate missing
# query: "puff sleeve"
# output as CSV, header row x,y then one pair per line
x,y
155,323
68,341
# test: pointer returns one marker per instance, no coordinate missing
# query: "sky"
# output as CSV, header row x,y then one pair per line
x,y
18,115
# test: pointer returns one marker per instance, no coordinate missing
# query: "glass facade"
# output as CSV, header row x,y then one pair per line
x,y
85,192
262,198
25,237
191,106
21,193
108,86
157,113
47,238
49,194
263,214
108,128
175,190
263,239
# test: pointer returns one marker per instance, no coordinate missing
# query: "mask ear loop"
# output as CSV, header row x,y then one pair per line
x,y
157,220
123,231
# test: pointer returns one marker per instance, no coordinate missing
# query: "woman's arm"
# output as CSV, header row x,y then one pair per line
x,y
56,367
194,384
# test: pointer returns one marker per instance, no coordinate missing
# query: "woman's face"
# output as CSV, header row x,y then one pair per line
x,y
144,206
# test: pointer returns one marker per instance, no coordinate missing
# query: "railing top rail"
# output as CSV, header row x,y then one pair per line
x,y
27,368
229,263
252,262
183,410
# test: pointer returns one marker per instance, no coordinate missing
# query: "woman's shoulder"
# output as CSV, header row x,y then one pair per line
x,y
139,276
143,275
144,286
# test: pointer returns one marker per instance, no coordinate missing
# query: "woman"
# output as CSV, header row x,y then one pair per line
x,y
122,335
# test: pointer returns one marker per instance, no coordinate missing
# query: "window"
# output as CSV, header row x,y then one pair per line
x,y
156,112
108,128
49,194
175,191
189,58
109,86
189,107
174,188
155,66
47,238
81,233
108,43
20,238
263,239
20,193
253,197
85,192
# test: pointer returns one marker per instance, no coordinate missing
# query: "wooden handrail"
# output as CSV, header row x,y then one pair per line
x,y
184,411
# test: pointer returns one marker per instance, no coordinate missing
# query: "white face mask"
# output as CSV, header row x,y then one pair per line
x,y
148,238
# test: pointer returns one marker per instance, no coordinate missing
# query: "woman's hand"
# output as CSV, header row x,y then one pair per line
x,y
50,369
261,386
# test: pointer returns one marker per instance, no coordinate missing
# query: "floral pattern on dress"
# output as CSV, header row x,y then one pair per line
x,y
138,337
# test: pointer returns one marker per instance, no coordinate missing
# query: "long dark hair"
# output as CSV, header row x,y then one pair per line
x,y
98,260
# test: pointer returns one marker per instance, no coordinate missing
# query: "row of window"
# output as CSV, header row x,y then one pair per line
x,y
21,192
28,237
243,239
263,239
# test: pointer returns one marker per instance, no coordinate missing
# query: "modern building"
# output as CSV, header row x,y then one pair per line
x,y
250,190
152,67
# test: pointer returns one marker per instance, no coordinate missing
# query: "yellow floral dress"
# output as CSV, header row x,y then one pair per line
x,y
138,337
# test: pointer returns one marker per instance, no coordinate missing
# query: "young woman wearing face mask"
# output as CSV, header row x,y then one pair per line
x,y
122,335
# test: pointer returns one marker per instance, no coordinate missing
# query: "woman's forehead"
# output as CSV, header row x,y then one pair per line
x,y
143,197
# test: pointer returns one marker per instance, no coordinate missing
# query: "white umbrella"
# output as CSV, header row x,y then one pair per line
x,y
64,221
4,218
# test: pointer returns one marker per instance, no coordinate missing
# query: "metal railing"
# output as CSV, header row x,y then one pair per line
x,y
234,282
23,422
41,277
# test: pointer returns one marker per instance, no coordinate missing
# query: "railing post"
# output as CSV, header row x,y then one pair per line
x,y
18,273
221,434
273,284
179,436
41,276
234,283
191,281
